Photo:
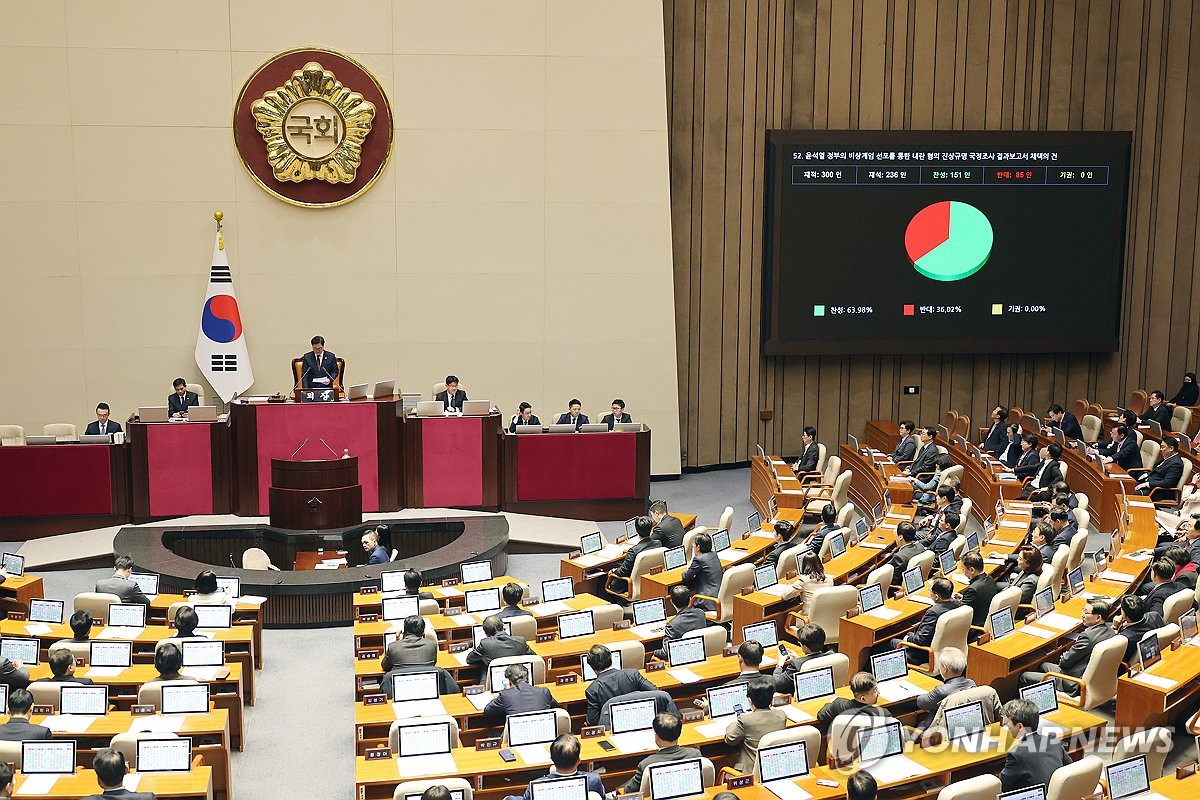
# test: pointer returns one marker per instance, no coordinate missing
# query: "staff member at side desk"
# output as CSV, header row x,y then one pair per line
x,y
618,414
102,424
574,415
179,402
319,368
452,397
524,416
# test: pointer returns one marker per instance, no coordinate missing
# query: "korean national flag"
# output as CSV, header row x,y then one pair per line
x,y
221,352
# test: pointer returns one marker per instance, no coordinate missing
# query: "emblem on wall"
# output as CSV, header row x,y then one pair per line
x,y
313,128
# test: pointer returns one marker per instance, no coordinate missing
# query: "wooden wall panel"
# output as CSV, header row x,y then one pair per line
x,y
737,68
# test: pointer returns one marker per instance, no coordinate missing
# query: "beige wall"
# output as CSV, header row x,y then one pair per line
x,y
520,238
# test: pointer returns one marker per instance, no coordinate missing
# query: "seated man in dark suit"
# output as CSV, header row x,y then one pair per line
x,y
981,589
62,668
609,682
944,500
906,532
783,540
667,529
1035,756
452,397
1157,411
19,728
496,644
13,674
1074,659
573,416
512,593
906,447
667,730
120,584
940,538
810,455
942,592
1047,474
1185,568
1029,461
865,701
750,657
703,574
924,461
1167,472
525,416
997,436
518,697
181,399
828,526
1134,622
1122,449
412,585
812,645
378,554
618,414
411,649
1064,531
110,770
564,755
1010,454
1162,585
644,527
1065,421
102,424
687,618
319,367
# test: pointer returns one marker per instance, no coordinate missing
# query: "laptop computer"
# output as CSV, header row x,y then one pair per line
x,y
1127,778
675,779
48,757
528,429
207,653
972,541
765,633
720,541
591,542
1075,580
482,601
631,532
1042,694
649,612
82,699
1028,793
754,522
49,611
477,634
557,589
632,716
589,674
126,615
535,727
627,427
861,528
146,582
566,427
890,669
164,755
398,608
214,616
185,698
674,558
947,563
879,741
1148,652
783,762
1188,625
594,427
152,414
765,577
813,683
853,442
475,571
570,788
232,587
913,582
837,545
429,408
685,652
112,655
965,728
726,701
95,438
476,408
357,392
576,624
413,688
1000,622
12,564
384,389
38,438
15,649
870,597
392,580
496,679
426,739
202,414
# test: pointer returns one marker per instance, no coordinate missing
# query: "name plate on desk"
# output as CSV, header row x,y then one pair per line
x,y
567,678
492,743
375,699
17,616
470,690
368,655
691,715
368,617
447,582
368,590
376,753
655,666
459,647
654,571
739,782
729,651
141,711
452,611
47,710
622,625
591,732
546,637
1185,770
531,601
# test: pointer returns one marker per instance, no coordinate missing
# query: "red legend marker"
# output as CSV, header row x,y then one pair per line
x,y
910,310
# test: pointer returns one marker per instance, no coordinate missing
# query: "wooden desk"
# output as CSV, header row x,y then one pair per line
x,y
1172,787
243,614
16,592
1140,705
747,551
444,595
194,785
179,468
308,559
578,569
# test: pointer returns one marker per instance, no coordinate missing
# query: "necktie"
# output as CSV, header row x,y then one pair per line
x,y
103,425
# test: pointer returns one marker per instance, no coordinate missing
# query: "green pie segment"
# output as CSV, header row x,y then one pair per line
x,y
949,241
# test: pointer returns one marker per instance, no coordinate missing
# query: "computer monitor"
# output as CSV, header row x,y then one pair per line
x,y
852,440
475,571
685,651
496,679
427,739
1028,793
391,636
535,727
837,545
674,558
913,582
1043,600
1127,778
944,432
783,762
95,438
765,577
813,683
42,610
573,625
392,580
572,788
110,654
889,665
632,715
146,582
14,649
1075,580
4,695
481,601
972,541
754,522
591,542
648,612
720,541
675,779
429,408
870,597
55,757
214,616
127,615
887,499
230,586
631,531
765,633
877,513
81,699
1042,694
476,408
164,755
203,653
964,720
185,698
13,564
861,528
589,674
880,741
557,589
384,389
407,605
1001,622
947,563
411,686
478,635
724,701
1148,652
1187,624
357,392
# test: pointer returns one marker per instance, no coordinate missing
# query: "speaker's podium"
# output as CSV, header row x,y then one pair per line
x,y
315,495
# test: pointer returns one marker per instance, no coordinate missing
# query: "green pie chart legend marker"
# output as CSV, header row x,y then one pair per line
x,y
948,241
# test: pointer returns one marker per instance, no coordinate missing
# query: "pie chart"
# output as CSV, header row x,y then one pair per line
x,y
948,241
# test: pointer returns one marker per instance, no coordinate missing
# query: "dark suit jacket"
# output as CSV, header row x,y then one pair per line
x,y
669,531
808,459
411,651
1161,415
311,368
512,611
686,621
67,679
906,448
923,633
925,460
533,420
703,576
1026,582
1166,472
123,588
122,794
1069,425
1158,595
608,420
625,568
518,699
845,705
565,419
997,438
497,646
978,595
786,669
1010,454
22,730
1050,475
1134,633
1028,464
93,428
177,406
613,683
939,541
672,753
1064,536
818,537
900,560
378,556
1125,455
455,402
1032,761
594,784
1074,660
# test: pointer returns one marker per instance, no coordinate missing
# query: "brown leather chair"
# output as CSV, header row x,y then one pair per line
x,y
338,382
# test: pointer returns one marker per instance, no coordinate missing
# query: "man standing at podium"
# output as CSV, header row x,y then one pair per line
x,y
320,367
451,397
103,424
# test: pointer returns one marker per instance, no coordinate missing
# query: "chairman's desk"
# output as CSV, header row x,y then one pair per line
x,y
596,564
63,480
209,733
196,784
179,468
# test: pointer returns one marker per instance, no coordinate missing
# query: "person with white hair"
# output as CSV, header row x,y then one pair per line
x,y
952,665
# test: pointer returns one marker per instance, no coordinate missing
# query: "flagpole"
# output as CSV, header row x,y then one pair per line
x,y
219,215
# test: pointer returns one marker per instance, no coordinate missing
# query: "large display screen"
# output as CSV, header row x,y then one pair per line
x,y
944,241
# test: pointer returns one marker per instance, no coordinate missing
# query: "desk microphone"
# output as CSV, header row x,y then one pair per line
x,y
231,562
298,449
327,447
